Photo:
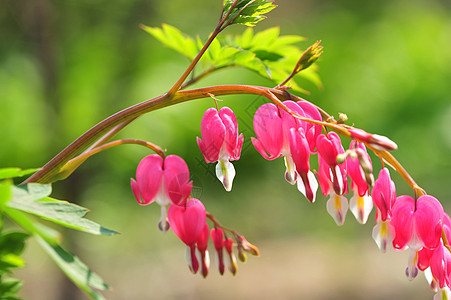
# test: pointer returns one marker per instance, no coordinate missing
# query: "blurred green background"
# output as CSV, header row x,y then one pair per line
x,y
66,65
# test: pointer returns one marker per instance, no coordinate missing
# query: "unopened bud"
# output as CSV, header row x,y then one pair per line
x,y
231,261
342,118
364,161
378,142
309,56
241,255
248,247
369,178
341,158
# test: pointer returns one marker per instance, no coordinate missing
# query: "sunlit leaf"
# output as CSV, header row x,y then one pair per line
x,y
5,193
246,12
15,172
30,192
75,269
23,220
9,287
266,52
9,261
173,38
60,212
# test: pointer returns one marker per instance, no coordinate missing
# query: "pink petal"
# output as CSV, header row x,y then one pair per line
x,y
176,179
324,176
237,150
402,221
148,177
355,171
259,147
329,147
312,130
203,149
428,216
135,189
384,194
188,222
202,243
439,266
213,134
289,122
300,151
231,130
268,129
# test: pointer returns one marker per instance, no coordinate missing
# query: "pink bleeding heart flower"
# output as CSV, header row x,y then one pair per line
x,y
360,204
164,181
221,143
272,128
384,196
332,176
217,235
300,153
425,254
417,224
188,223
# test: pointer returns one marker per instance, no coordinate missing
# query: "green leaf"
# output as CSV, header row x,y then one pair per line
x,y
173,38
50,235
9,287
75,269
15,172
10,260
60,212
246,12
13,242
5,193
30,192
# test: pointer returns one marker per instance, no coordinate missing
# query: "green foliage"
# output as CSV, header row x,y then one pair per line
x,y
246,12
76,270
174,39
9,287
33,199
267,52
15,172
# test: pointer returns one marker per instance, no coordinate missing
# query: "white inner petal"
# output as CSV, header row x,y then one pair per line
x,y
225,173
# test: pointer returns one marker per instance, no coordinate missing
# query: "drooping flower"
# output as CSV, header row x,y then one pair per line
x,y
221,143
272,128
279,134
165,181
417,224
332,176
437,262
300,153
360,204
188,223
384,196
